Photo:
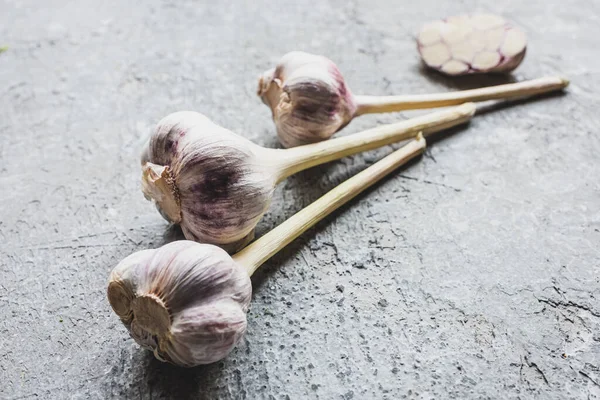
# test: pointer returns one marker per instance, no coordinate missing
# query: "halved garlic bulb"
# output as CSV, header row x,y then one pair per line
x,y
472,44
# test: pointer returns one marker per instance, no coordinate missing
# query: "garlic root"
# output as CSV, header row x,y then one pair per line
x,y
158,184
187,302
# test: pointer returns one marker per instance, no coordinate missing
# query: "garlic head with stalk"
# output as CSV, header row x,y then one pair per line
x,y
310,101
217,185
185,301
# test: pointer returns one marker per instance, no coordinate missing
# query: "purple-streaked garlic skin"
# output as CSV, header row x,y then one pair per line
x,y
220,184
471,44
202,296
308,98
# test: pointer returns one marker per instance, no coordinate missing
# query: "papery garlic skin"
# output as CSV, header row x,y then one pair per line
x,y
185,301
207,179
308,98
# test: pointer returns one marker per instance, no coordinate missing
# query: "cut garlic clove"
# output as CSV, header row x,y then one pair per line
x,y
436,54
430,33
514,43
454,67
486,60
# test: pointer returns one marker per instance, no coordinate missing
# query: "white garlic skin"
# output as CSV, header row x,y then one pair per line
x,y
222,187
198,301
308,98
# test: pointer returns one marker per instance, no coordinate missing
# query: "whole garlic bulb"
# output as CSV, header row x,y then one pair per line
x,y
310,101
308,97
207,179
184,301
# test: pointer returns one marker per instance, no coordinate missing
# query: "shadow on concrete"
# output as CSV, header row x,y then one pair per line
x,y
182,383
171,234
293,248
493,106
465,82
150,377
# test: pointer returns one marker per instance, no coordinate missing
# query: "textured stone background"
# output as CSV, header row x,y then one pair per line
x,y
473,273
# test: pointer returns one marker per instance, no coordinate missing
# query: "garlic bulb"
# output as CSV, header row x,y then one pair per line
x,y
187,301
217,185
310,100
308,97
207,179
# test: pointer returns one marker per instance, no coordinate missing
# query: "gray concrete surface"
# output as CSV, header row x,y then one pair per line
x,y
473,273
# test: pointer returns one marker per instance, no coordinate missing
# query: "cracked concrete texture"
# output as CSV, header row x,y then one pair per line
x,y
473,273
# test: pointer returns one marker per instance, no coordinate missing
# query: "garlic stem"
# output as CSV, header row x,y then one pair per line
x,y
291,161
381,104
254,255
158,184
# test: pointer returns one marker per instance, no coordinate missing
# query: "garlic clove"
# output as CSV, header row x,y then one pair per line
x,y
184,293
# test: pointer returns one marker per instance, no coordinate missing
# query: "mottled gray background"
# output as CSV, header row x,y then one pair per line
x,y
473,273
